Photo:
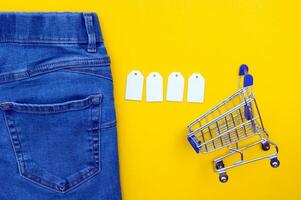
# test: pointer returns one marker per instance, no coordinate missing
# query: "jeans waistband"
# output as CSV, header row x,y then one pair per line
x,y
50,27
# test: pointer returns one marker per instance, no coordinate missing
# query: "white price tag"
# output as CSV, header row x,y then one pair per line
x,y
175,87
134,86
154,87
196,88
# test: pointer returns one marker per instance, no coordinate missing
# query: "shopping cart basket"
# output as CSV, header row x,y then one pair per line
x,y
235,119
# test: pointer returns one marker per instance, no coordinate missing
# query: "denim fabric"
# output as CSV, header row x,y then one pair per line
x,y
58,138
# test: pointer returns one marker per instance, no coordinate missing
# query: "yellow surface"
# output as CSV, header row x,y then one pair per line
x,y
213,38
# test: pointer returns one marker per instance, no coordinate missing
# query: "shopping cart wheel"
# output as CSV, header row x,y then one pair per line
x,y
223,177
219,165
265,146
275,162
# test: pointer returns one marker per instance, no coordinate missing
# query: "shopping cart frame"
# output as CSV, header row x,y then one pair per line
x,y
246,124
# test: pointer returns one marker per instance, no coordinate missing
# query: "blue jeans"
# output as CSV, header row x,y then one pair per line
x,y
58,138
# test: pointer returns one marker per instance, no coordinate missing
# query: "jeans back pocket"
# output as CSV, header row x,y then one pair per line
x,y
57,146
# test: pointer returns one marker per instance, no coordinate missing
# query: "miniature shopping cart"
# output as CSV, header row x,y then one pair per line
x,y
230,123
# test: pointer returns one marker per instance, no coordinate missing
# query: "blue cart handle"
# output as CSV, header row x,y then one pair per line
x,y
248,80
244,72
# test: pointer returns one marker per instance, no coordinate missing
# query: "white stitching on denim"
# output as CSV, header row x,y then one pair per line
x,y
87,73
108,124
41,69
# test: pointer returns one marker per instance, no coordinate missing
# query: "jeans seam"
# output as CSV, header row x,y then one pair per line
x,y
47,41
108,124
46,68
87,73
69,105
11,139
53,186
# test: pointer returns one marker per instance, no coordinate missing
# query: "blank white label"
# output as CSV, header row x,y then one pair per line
x,y
175,87
154,87
196,88
134,86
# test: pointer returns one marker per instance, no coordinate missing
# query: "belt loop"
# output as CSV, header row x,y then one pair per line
x,y
88,17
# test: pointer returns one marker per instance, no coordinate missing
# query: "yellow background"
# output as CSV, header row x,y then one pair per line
x,y
213,38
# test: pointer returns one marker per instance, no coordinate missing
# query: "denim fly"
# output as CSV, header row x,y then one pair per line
x,y
58,137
